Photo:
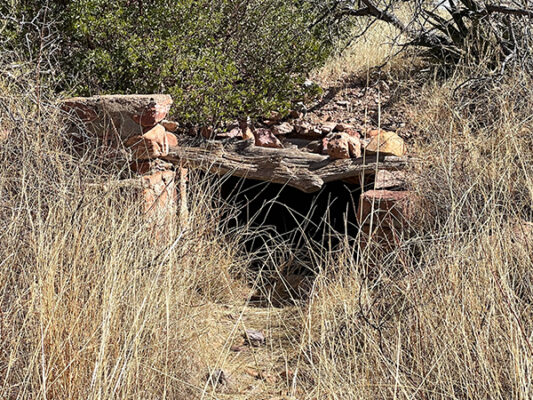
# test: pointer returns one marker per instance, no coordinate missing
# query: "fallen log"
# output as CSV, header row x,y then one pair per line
x,y
305,171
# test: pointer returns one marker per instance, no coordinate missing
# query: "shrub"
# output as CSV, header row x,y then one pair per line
x,y
217,59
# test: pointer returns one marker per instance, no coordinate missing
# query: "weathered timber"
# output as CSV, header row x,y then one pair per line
x,y
305,171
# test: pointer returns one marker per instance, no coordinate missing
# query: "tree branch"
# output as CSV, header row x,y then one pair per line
x,y
509,11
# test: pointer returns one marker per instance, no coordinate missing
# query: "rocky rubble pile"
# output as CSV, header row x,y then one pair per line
x,y
336,139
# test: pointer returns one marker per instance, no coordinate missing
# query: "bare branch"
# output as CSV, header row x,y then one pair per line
x,y
520,12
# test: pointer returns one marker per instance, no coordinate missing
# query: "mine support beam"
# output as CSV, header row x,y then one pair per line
x,y
307,172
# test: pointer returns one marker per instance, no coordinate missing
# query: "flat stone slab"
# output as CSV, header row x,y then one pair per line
x,y
116,116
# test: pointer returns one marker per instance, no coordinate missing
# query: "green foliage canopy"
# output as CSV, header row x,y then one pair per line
x,y
219,59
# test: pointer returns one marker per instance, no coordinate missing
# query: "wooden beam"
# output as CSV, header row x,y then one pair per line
x,y
305,171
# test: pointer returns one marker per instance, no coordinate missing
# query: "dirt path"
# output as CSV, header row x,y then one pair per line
x,y
265,371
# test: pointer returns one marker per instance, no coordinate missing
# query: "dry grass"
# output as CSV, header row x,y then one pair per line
x,y
373,50
450,314
375,44
90,309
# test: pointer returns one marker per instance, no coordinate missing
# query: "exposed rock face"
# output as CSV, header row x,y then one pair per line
x,y
171,126
152,113
383,216
138,122
386,143
158,191
306,130
328,127
117,116
147,167
232,133
389,179
384,207
283,129
159,202
342,127
373,133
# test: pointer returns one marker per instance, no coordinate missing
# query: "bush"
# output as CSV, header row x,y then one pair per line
x,y
217,59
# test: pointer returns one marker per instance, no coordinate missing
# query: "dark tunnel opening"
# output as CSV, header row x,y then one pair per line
x,y
301,221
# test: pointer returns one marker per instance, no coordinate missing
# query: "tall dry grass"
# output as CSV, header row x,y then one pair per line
x,y
450,314
90,306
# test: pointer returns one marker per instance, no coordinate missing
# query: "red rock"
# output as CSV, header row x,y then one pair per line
x,y
115,115
389,179
86,112
153,144
328,127
304,130
233,133
341,145
302,127
386,143
385,208
143,167
265,138
342,127
324,145
171,126
373,132
159,202
352,132
152,113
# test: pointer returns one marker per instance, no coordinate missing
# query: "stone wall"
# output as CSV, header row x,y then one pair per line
x,y
136,123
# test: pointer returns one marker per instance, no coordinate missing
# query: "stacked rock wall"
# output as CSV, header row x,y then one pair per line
x,y
384,213
135,122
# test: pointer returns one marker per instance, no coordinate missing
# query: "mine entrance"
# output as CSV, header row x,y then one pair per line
x,y
281,215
